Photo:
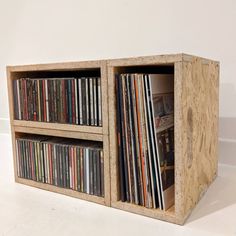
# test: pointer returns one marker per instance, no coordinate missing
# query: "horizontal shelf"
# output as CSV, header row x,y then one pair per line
x,y
58,133
168,215
68,192
58,126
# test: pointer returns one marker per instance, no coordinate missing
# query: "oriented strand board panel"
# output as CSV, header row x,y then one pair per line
x,y
196,131
168,215
148,60
57,66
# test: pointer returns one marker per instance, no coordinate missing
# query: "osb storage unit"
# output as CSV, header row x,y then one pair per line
x,y
196,94
20,127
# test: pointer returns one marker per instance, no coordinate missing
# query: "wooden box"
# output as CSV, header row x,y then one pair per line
x,y
20,127
196,101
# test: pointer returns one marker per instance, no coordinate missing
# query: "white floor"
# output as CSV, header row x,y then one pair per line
x,y
29,211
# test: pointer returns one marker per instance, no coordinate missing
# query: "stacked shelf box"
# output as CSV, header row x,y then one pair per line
x,y
196,129
83,132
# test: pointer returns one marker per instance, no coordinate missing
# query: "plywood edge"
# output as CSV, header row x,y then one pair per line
x,y
64,191
57,66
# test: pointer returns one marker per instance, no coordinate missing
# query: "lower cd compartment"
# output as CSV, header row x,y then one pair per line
x,y
67,163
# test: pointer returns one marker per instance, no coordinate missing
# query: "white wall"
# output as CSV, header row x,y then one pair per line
x,y
54,30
